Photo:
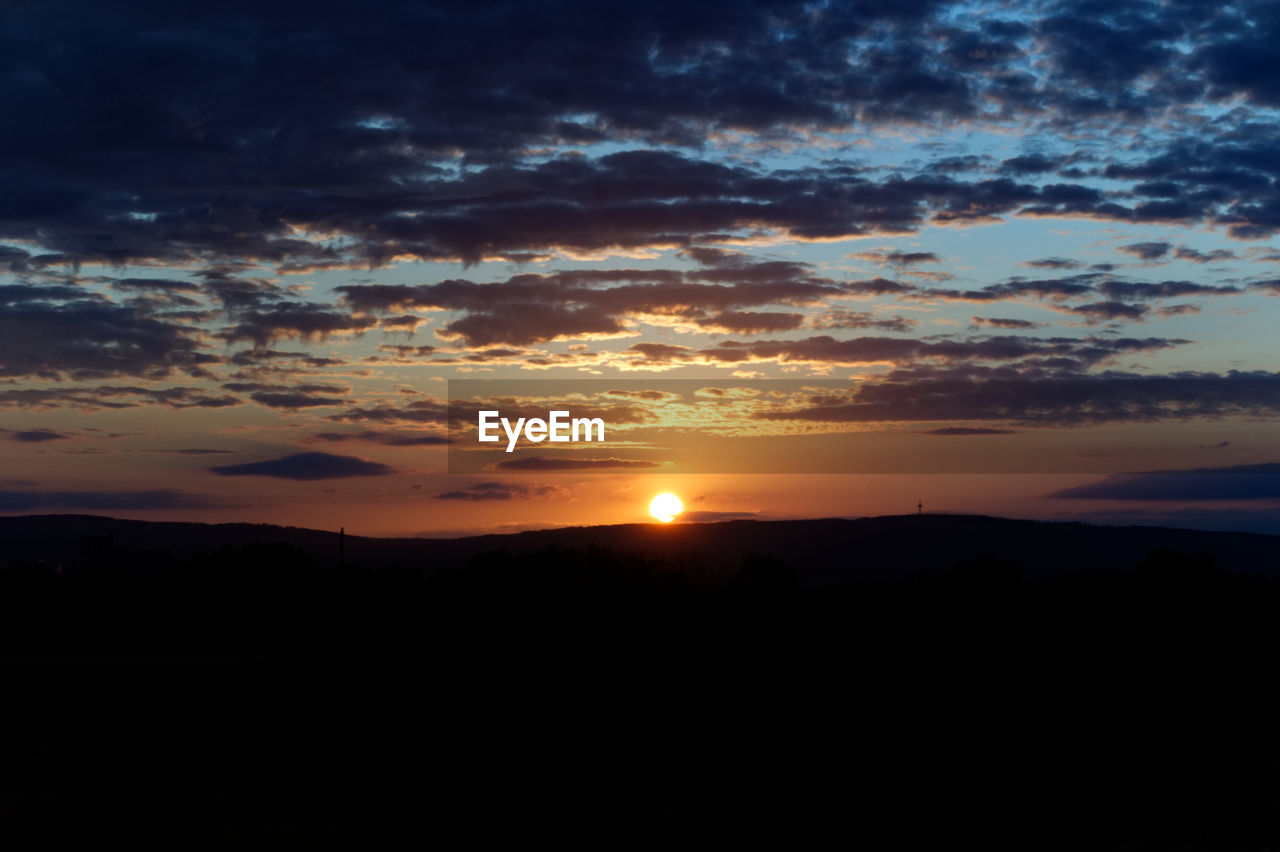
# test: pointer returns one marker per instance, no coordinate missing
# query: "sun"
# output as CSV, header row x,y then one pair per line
x,y
665,507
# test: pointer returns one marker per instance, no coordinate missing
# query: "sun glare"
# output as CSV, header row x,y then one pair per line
x,y
665,507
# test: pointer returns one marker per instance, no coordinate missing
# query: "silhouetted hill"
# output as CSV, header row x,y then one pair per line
x,y
640,686
820,552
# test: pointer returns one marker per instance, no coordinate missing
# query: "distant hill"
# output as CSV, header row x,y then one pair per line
x,y
820,552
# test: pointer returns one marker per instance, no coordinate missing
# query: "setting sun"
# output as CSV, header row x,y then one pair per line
x,y
665,507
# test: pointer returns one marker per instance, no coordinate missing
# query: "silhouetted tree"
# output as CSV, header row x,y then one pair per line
x,y
761,573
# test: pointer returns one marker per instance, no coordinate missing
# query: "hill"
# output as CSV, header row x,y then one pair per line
x,y
584,686
820,552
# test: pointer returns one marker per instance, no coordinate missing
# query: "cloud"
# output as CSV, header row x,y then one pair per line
x,y
159,499
1107,311
1163,290
1057,289
487,491
294,400
237,156
1065,352
53,334
303,320
968,430
390,439
1242,482
1002,322
34,436
307,467
751,322
1178,310
196,451
711,517
1038,399
897,258
1146,251
862,319
434,411
1030,164
113,397
544,463
1214,256
318,159
531,308
1054,263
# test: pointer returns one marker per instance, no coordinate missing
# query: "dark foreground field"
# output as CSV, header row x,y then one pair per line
x,y
586,693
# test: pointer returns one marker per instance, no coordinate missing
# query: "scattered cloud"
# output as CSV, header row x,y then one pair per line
x,y
968,430
487,491
550,464
33,436
307,467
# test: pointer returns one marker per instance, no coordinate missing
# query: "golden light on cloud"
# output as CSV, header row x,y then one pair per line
x,y
665,507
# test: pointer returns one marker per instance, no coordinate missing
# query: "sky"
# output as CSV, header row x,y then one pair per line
x,y
810,259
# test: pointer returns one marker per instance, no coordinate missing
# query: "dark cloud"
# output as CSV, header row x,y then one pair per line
x,y
486,491
290,397
1178,310
1095,312
898,258
751,322
1002,322
531,308
56,332
107,501
1214,256
173,135
1162,290
167,285
295,400
34,436
1035,398
967,430
878,287
390,439
1054,263
1057,289
862,319
1030,164
1242,482
239,145
302,320
113,397
196,451
1224,177
306,467
418,411
549,465
1147,251
1071,352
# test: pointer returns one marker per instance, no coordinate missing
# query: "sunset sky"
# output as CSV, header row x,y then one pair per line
x,y
1001,258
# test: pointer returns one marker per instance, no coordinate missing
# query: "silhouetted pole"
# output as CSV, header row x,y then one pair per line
x,y
920,508
342,547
